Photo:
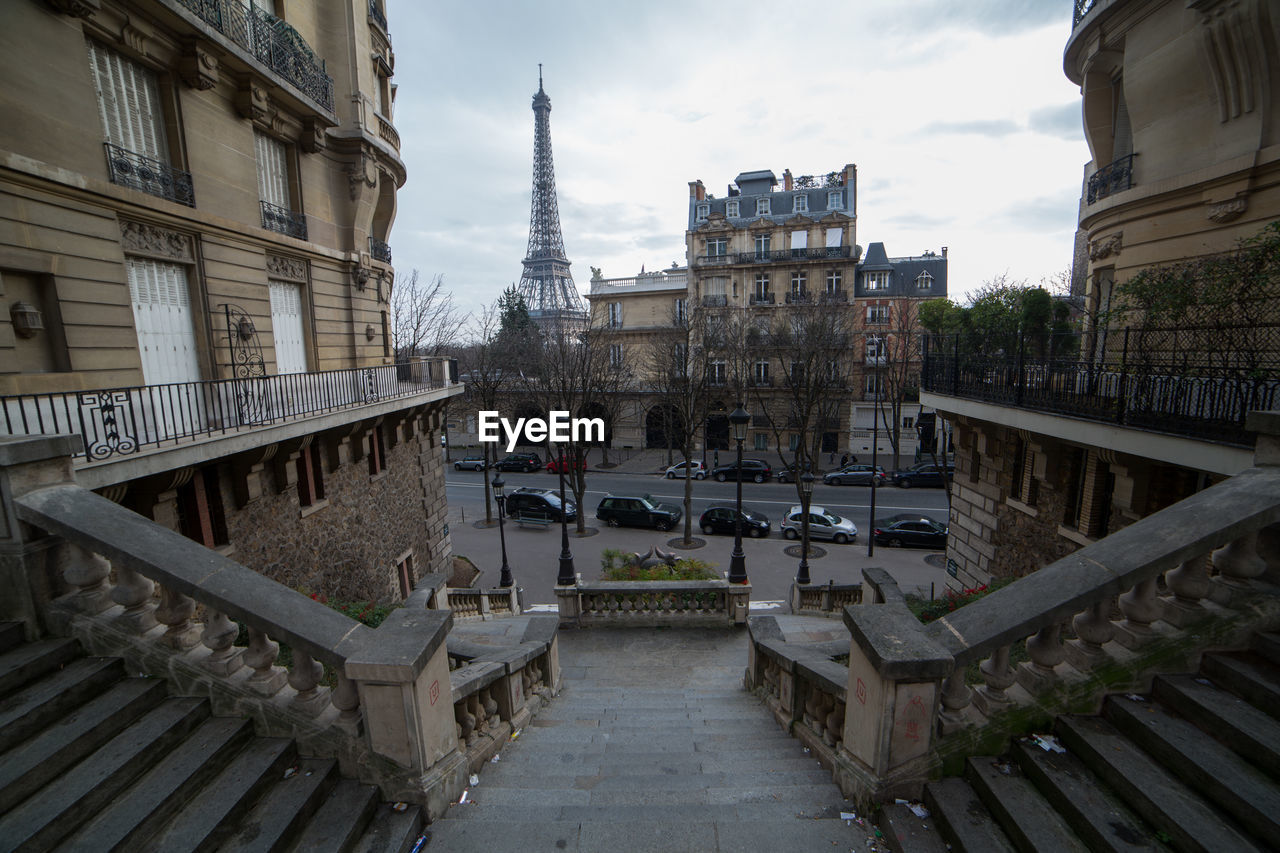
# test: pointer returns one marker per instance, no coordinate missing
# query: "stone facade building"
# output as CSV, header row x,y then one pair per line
x,y
1180,117
195,277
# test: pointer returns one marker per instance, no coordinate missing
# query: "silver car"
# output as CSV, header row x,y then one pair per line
x,y
697,470
822,525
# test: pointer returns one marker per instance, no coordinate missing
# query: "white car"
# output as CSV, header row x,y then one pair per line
x,y
697,469
822,525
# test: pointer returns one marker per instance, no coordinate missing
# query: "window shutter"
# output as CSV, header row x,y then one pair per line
x,y
833,237
799,239
128,103
273,176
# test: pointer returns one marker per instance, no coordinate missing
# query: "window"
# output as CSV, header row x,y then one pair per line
x,y
908,422
404,572
716,290
386,335
762,441
717,247
762,207
833,281
797,373
615,356
274,188
833,371
799,244
798,280
615,315
716,374
761,293
310,477
835,199
1075,487
731,209
760,373
877,280
377,451
681,312
286,326
875,350
201,516
834,238
762,246
793,442
703,211
877,314
681,356
873,385
800,203
1024,488
924,281
133,124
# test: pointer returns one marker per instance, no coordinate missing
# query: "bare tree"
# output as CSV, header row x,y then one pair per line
x,y
894,352
424,320
484,371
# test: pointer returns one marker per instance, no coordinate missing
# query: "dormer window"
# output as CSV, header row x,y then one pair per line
x,y
835,200
924,281
762,207
704,210
731,209
800,204
877,280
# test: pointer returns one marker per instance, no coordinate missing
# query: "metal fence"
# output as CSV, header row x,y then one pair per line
x,y
122,421
1196,382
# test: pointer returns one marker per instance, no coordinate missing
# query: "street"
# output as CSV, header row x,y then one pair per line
x,y
533,553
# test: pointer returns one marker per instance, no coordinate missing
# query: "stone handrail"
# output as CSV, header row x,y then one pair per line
x,y
652,603
134,591
829,599
467,603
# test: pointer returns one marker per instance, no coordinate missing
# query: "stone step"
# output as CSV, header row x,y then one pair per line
x,y
283,808
30,765
1267,644
340,820
33,707
1097,817
1214,770
55,811
12,635
961,818
223,801
165,789
1250,732
1249,676
25,663
482,811
1153,793
1026,817
907,833
391,831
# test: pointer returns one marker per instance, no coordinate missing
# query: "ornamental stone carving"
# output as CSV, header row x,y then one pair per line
x,y
1227,211
1106,247
289,269
252,100
312,138
76,8
198,65
139,238
363,171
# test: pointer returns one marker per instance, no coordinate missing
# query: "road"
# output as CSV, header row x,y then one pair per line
x,y
534,554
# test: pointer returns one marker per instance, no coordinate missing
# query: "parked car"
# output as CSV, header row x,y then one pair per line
x,y
539,503
913,530
562,461
822,525
520,462
697,470
788,474
756,470
924,474
720,519
642,511
470,462
856,475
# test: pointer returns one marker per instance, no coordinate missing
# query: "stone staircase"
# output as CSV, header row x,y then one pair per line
x,y
653,744
92,759
1194,766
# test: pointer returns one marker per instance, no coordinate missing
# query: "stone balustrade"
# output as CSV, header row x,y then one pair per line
x,y
482,603
829,599
654,603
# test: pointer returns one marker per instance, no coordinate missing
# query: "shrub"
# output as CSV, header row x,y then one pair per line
x,y
687,569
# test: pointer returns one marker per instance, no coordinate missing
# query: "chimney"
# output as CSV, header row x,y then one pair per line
x,y
944,251
697,191
786,181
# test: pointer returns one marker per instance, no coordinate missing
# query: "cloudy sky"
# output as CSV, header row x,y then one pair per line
x,y
965,131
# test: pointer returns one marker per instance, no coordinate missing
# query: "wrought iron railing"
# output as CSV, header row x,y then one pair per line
x,y
762,299
715,259
378,18
1193,382
715,301
272,42
284,220
1111,178
129,169
380,250
797,297
1082,8
835,296
122,421
816,253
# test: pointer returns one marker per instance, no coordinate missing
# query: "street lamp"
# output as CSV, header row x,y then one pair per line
x,y
738,562
505,579
806,493
566,575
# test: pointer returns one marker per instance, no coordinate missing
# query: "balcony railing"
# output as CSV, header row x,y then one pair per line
x,y
799,297
1082,8
272,42
1191,382
117,422
376,13
1112,178
720,258
814,254
379,250
762,299
835,296
149,175
283,220
715,301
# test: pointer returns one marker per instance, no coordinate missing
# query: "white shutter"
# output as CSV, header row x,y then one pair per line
x,y
162,314
799,239
286,325
128,103
833,237
273,175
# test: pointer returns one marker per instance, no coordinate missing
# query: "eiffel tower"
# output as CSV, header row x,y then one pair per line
x,y
546,285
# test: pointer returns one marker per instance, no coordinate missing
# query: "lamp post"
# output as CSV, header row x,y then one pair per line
x,y
806,494
505,578
738,562
566,575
